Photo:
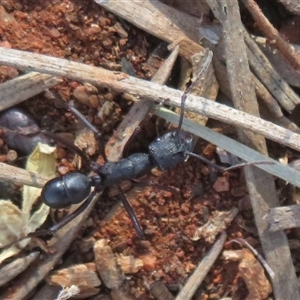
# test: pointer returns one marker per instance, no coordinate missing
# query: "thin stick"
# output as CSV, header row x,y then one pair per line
x,y
17,175
19,89
148,90
203,268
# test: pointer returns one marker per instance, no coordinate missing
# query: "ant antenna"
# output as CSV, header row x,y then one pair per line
x,y
192,85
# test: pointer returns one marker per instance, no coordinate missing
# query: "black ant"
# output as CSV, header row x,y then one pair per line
x,y
165,152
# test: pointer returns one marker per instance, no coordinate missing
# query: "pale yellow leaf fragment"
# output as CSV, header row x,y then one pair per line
x,y
16,223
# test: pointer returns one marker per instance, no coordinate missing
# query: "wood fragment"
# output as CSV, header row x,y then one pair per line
x,y
218,223
129,264
19,89
287,50
82,275
148,90
16,267
262,68
202,269
280,218
252,273
203,79
18,175
260,184
107,266
261,91
290,75
160,291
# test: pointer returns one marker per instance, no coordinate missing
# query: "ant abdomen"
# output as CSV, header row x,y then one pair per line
x,y
69,189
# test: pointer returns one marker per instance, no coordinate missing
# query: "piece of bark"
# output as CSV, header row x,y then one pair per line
x,y
148,90
252,273
289,74
16,267
218,223
13,92
280,218
202,270
203,79
82,275
107,267
130,264
260,184
262,93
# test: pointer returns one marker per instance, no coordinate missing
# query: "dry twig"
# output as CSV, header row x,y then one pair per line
x,y
17,175
14,91
287,50
201,271
148,90
280,218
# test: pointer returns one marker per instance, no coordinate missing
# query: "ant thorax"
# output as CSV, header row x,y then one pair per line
x,y
170,149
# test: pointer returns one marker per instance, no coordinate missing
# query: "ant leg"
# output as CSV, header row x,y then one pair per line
x,y
74,214
131,214
208,162
83,119
222,169
259,162
192,85
91,164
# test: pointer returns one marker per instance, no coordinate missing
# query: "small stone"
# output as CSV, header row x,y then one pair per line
x,y
221,184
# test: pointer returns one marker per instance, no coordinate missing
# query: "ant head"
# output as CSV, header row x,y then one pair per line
x,y
170,149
